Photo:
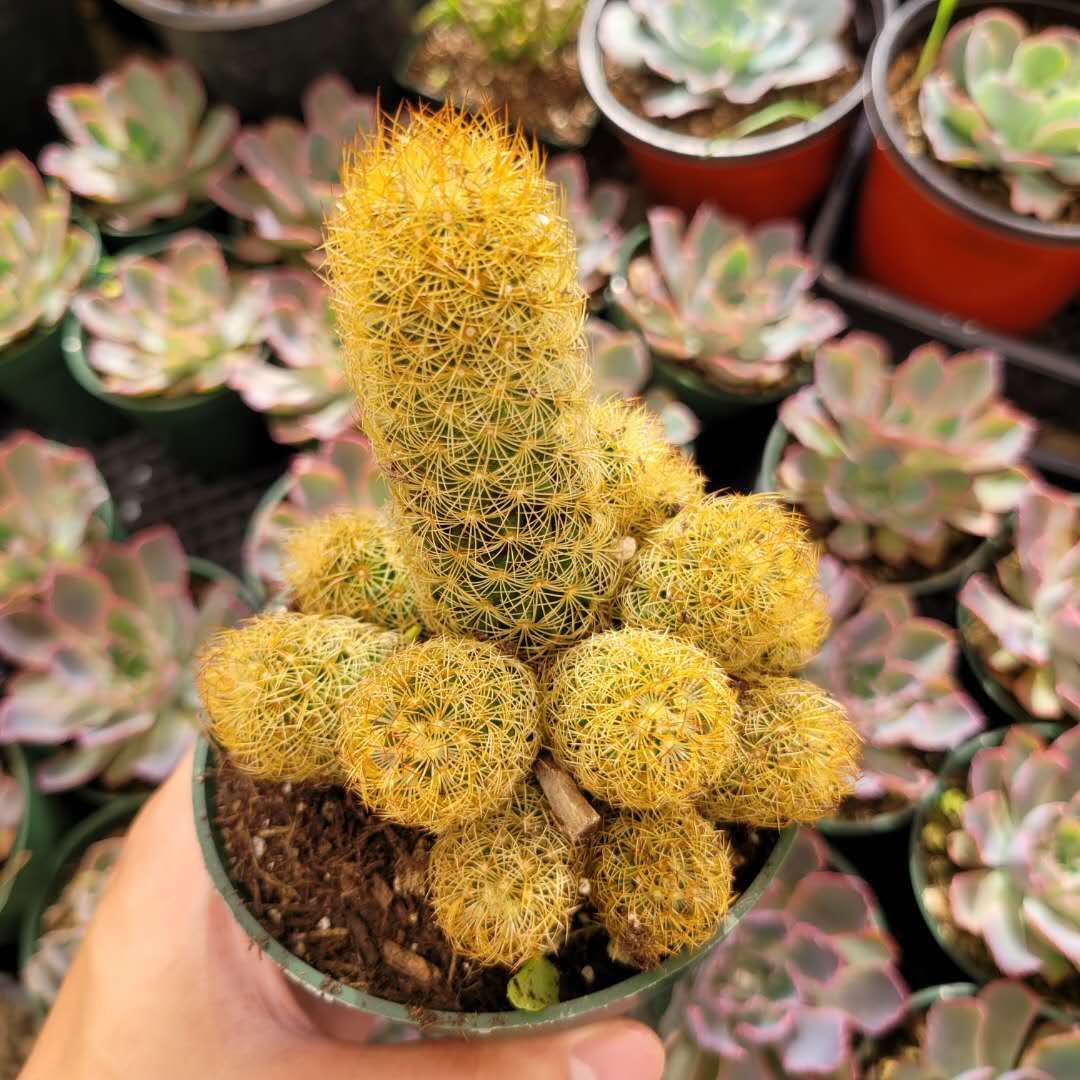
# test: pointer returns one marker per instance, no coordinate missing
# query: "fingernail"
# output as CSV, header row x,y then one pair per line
x,y
618,1051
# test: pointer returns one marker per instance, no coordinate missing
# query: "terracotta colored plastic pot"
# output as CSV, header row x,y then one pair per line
x,y
644,996
778,174
925,236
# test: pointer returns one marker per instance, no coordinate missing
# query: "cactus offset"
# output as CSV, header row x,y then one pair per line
x,y
454,282
274,689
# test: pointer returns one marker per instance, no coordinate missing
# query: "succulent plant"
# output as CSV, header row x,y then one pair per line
x,y
895,675
1025,625
44,255
994,1033
733,302
48,497
737,50
899,464
12,808
305,395
172,325
785,993
1005,98
340,474
1018,850
289,172
64,923
594,214
141,142
18,1027
106,658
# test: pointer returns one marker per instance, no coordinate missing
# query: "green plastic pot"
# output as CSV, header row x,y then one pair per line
x,y
945,581
875,826
273,495
200,216
708,401
644,996
110,818
42,822
957,763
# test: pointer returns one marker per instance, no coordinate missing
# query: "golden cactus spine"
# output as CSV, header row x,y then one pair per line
x,y
453,275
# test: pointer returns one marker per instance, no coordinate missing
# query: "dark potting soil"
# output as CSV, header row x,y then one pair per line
x,y
631,87
901,1045
346,892
865,810
987,185
548,99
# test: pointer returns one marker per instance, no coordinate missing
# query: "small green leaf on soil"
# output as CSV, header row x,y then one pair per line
x,y
535,986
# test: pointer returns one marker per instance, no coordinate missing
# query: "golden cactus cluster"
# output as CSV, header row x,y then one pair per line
x,y
574,588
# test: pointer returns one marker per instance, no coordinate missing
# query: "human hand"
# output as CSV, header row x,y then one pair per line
x,y
167,987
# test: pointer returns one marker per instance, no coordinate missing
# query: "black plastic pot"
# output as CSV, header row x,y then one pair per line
x,y
44,46
260,57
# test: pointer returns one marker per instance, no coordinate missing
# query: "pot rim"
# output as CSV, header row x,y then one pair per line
x,y
717,150
180,16
313,981
930,176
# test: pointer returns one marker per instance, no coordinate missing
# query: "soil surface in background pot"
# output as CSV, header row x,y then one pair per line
x,y
549,100
990,186
865,810
631,87
345,891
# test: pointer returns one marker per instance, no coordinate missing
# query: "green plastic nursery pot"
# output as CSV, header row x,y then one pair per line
x,y
200,216
110,818
643,996
42,821
944,581
875,826
274,494
956,763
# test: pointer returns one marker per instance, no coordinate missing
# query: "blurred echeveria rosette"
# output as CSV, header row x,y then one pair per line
x,y
12,809
142,143
895,674
288,175
174,324
1003,860
49,498
795,987
738,50
1023,621
903,469
304,394
730,302
44,254
1004,98
105,663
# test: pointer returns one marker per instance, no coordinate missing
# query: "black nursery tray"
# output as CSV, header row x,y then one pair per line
x,y
1042,372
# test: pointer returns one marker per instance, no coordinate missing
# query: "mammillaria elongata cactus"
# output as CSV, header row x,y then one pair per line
x,y
734,49
1002,97
899,464
141,142
48,497
894,672
44,255
733,302
995,1033
106,659
1024,625
1018,852
289,172
786,992
173,325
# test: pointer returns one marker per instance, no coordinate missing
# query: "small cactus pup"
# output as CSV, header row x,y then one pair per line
x,y
998,1032
440,733
728,302
455,286
905,469
289,172
44,255
274,689
1002,861
1022,621
996,102
49,498
895,674
142,144
790,992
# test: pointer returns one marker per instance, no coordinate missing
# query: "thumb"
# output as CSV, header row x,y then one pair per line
x,y
612,1050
